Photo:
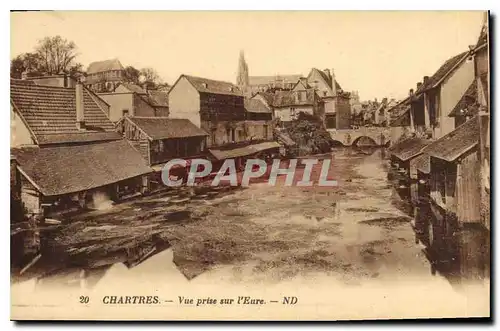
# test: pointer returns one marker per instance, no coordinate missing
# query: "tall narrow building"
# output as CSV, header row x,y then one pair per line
x,y
242,78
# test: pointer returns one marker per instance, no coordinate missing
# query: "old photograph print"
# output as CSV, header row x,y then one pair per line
x,y
248,165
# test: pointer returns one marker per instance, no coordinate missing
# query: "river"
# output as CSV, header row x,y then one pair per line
x,y
351,247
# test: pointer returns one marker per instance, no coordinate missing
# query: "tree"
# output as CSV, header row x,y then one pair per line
x,y
53,55
150,76
56,55
132,75
24,61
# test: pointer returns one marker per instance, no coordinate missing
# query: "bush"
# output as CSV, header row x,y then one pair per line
x,y
310,135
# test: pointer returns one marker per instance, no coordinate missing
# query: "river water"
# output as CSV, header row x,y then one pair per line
x,y
351,247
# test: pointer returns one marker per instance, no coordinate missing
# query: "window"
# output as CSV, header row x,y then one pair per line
x,y
125,112
265,132
324,93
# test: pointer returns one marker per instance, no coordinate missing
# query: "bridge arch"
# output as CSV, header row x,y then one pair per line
x,y
364,141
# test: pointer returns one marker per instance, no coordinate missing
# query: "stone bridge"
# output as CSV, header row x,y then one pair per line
x,y
364,136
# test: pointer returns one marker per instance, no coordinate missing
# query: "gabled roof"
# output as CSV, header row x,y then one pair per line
x,y
205,85
102,66
327,80
256,106
303,82
269,97
401,115
465,105
444,70
164,127
69,169
50,113
457,142
288,98
408,148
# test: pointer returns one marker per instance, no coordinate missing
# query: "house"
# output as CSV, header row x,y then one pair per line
x,y
355,102
159,101
104,76
258,123
160,139
455,193
399,120
454,165
288,104
218,108
236,128
480,54
67,150
403,155
436,96
336,102
128,100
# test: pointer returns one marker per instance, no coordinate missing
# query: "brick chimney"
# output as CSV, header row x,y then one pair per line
x,y
426,79
80,118
419,85
411,92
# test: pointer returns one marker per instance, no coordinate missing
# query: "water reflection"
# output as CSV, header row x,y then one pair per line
x,y
459,253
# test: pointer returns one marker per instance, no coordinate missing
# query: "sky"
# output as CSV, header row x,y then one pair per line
x,y
379,53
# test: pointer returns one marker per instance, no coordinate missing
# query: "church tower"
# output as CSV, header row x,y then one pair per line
x,y
242,79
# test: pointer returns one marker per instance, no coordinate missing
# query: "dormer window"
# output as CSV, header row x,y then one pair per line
x,y
204,85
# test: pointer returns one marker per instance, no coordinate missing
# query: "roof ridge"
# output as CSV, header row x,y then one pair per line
x,y
215,80
18,83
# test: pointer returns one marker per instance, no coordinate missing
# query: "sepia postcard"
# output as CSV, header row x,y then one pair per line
x,y
249,165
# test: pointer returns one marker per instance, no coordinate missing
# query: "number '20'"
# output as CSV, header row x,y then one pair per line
x,y
84,299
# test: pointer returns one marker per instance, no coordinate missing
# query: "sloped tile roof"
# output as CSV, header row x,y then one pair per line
x,y
423,163
52,111
77,137
401,117
455,143
464,105
206,85
328,80
442,72
164,127
256,106
102,66
408,148
269,97
75,168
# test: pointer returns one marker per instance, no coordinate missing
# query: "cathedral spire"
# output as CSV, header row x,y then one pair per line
x,y
242,78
